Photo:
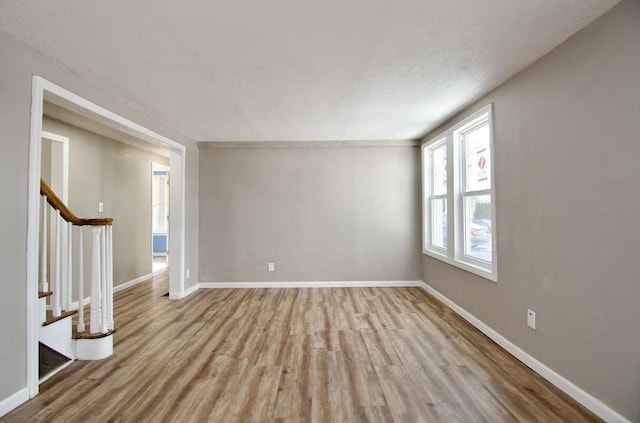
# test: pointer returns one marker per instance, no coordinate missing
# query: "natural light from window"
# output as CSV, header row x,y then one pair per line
x,y
459,220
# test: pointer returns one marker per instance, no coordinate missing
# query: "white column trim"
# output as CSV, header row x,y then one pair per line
x,y
33,227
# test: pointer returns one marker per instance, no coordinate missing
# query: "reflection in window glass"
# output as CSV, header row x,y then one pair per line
x,y
477,227
439,166
439,224
477,158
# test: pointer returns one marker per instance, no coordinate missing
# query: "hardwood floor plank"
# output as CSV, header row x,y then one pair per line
x,y
256,398
219,388
293,400
404,402
296,355
360,382
373,414
380,349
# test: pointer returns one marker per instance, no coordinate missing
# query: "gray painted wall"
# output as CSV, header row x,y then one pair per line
x,y
18,64
568,237
567,141
321,214
118,175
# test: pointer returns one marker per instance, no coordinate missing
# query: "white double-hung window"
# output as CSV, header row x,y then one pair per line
x,y
459,196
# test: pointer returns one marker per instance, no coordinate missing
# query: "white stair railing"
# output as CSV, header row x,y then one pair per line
x,y
81,327
68,280
62,283
57,308
109,291
44,254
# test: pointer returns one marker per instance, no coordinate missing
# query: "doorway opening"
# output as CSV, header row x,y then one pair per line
x,y
45,90
159,217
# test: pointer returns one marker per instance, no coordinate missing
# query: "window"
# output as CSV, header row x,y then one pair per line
x,y
458,183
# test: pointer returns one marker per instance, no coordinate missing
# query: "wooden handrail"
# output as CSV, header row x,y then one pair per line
x,y
67,214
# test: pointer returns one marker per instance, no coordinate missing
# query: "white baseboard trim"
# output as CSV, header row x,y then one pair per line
x,y
587,400
11,402
56,371
191,290
311,284
133,282
121,287
159,272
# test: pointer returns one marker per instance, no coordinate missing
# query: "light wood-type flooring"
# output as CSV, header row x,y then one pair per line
x,y
296,355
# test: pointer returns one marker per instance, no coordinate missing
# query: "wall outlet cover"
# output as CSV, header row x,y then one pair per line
x,y
531,319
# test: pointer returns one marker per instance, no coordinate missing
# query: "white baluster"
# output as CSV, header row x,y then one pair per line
x,y
56,283
69,280
109,293
104,325
96,301
44,247
80,281
62,228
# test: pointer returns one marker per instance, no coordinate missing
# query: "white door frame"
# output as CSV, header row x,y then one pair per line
x,y
61,96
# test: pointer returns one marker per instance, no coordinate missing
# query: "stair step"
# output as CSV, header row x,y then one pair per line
x,y
87,335
50,319
43,294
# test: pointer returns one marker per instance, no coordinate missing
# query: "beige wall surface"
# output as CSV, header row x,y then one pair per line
x,y
318,213
18,64
118,175
567,150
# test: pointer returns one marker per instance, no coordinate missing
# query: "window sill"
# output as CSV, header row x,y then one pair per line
x,y
464,265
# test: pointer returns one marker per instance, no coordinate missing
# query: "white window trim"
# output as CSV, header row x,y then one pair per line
x,y
454,253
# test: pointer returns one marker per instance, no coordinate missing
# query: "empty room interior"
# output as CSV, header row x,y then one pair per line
x,y
320,211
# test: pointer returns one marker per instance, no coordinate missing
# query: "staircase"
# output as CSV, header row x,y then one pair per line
x,y
62,275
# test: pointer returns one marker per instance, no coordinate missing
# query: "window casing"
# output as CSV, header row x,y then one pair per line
x,y
459,195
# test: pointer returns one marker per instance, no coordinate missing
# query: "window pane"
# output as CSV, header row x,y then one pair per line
x,y
477,227
439,223
478,158
439,169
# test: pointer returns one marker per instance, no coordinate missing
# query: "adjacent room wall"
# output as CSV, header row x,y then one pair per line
x,y
567,150
318,213
18,64
118,175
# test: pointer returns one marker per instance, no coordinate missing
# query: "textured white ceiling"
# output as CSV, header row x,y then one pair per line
x,y
298,70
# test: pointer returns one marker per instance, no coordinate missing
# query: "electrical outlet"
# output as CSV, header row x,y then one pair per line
x,y
531,319
188,273
271,267
100,207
